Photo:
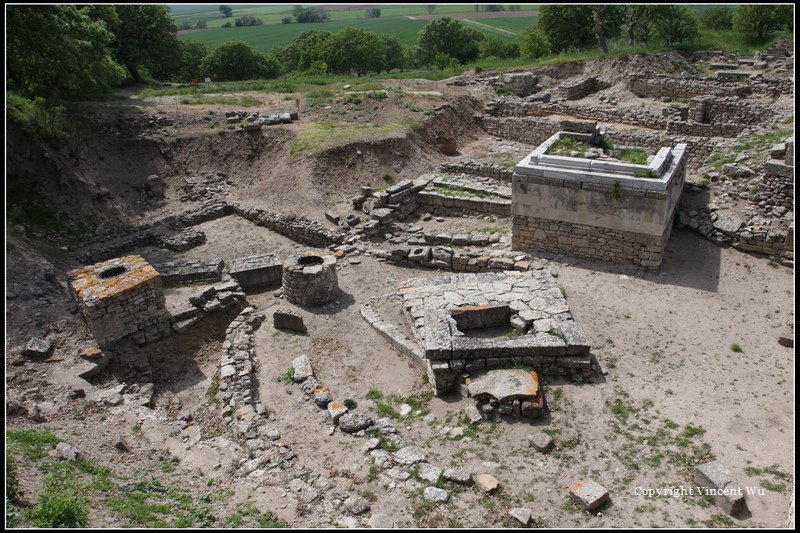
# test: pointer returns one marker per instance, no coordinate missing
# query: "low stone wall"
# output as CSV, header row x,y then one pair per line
x,y
445,258
238,387
660,85
299,229
697,129
486,170
581,88
513,107
175,273
730,110
441,204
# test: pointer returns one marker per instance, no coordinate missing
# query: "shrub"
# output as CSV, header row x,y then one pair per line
x,y
45,123
736,348
377,95
237,60
533,43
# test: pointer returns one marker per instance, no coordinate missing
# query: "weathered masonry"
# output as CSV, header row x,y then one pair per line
x,y
121,297
597,209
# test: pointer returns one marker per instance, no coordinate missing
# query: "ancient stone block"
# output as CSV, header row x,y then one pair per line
x,y
720,483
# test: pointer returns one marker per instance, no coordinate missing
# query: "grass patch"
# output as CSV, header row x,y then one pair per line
x,y
62,501
31,443
637,156
202,99
374,394
321,136
287,378
736,348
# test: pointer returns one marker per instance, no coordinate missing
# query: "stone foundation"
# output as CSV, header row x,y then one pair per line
x,y
589,242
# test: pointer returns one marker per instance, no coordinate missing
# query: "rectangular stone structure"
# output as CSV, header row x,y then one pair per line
x,y
175,273
120,297
257,272
603,210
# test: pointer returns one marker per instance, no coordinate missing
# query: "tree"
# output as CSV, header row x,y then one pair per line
x,y
372,12
305,50
674,24
567,26
286,20
60,51
144,33
494,46
758,20
449,37
607,22
191,54
248,20
533,43
394,52
355,50
307,14
415,57
430,8
236,60
185,25
718,18
201,24
639,23
226,11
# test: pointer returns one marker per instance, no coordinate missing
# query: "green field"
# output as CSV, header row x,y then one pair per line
x,y
514,24
265,37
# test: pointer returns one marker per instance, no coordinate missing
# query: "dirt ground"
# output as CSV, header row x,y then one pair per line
x,y
673,392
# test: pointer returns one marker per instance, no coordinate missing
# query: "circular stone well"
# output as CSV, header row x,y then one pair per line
x,y
310,280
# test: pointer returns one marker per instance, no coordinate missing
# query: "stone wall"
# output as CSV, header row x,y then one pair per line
x,y
589,242
730,110
446,258
299,229
183,271
440,204
575,90
238,386
121,297
574,207
487,170
660,85
257,272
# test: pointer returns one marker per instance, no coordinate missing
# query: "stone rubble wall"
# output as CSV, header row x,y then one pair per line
x,y
486,170
581,88
661,85
160,233
446,258
299,229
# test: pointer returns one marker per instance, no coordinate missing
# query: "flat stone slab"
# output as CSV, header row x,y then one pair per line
x,y
505,385
520,515
408,456
589,494
433,494
721,485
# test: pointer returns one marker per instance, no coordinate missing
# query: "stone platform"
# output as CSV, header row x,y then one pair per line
x,y
467,323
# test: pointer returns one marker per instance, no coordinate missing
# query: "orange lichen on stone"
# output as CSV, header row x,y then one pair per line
x,y
88,283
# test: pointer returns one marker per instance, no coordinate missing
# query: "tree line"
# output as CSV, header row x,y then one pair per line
x,y
67,51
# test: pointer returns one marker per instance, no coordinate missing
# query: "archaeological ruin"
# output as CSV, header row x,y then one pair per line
x,y
501,299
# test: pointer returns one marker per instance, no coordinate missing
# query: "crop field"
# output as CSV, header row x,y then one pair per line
x,y
394,20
